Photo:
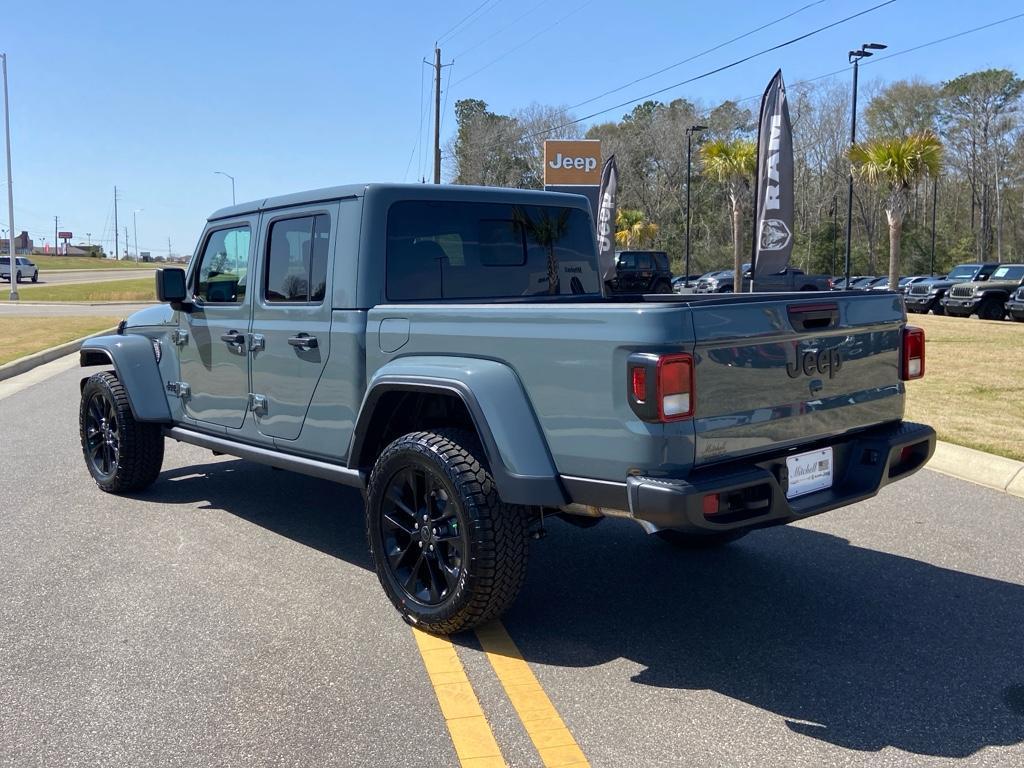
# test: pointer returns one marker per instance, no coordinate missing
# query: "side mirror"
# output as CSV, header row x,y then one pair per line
x,y
170,285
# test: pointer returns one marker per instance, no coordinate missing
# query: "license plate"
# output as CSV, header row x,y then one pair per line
x,y
809,472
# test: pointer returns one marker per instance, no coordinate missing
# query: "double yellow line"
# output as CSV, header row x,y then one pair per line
x,y
471,733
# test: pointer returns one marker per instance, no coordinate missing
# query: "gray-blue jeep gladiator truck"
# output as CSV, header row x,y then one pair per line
x,y
448,350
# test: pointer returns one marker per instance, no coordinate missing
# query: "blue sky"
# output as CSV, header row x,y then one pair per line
x,y
286,96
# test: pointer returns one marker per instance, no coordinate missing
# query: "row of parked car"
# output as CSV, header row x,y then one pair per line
x,y
990,291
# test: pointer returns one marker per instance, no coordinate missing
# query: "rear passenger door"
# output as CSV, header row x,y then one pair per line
x,y
291,322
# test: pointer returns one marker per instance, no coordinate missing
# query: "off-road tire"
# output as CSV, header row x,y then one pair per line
x,y
687,540
140,445
937,308
991,309
495,535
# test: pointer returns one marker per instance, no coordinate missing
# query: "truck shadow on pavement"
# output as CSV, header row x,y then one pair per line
x,y
855,647
317,513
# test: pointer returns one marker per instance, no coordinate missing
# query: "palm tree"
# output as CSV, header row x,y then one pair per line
x,y
732,163
545,231
898,165
632,230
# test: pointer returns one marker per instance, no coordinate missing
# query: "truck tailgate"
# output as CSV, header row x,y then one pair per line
x,y
792,369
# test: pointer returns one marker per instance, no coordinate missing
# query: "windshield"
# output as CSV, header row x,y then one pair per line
x,y
963,273
1012,272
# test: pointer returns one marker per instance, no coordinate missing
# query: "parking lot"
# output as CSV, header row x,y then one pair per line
x,y
229,615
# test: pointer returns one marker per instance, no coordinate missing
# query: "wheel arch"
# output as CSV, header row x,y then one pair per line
x,y
482,396
135,365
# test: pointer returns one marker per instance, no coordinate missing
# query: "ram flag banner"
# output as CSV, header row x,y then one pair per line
x,y
605,219
773,201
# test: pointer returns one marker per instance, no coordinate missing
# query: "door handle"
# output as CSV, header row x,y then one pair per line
x,y
233,337
304,341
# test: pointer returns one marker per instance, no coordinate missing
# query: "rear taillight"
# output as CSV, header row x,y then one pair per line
x,y
661,386
912,366
675,387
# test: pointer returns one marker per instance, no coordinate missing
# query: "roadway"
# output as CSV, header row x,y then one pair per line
x,y
229,616
69,276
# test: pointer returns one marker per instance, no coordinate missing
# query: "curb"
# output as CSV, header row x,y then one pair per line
x,y
29,303
27,363
997,472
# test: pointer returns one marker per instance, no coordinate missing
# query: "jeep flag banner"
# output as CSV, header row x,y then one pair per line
x,y
605,219
773,201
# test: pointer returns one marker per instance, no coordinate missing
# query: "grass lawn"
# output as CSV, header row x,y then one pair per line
x,y
85,262
20,336
973,388
136,289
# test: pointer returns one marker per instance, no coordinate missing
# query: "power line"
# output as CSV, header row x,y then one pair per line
x,y
696,55
530,39
715,71
466,18
447,87
419,131
898,53
493,35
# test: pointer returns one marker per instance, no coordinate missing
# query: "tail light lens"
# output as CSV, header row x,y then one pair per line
x,y
675,387
913,354
661,387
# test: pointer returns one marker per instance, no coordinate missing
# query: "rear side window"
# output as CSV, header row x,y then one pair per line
x,y
643,261
223,270
455,250
296,263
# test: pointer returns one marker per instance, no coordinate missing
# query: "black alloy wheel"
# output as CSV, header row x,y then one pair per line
x,y
424,543
101,442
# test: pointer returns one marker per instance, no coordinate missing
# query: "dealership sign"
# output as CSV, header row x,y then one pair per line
x,y
65,235
570,163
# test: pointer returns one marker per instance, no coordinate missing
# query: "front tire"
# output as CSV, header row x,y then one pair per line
x,y
991,309
448,552
19,277
123,455
35,278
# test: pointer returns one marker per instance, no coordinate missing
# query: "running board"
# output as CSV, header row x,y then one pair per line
x,y
299,464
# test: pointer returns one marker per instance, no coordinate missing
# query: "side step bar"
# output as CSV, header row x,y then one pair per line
x,y
300,464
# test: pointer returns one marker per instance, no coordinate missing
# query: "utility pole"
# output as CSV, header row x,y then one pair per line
x,y
689,148
935,198
437,115
135,229
126,241
56,242
168,247
10,189
117,248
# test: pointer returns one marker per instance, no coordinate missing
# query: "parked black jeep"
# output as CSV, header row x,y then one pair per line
x,y
641,272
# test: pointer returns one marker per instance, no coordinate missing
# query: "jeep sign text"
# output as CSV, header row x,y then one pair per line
x,y
572,163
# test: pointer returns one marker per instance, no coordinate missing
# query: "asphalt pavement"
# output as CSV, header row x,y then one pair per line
x,y
229,616
68,276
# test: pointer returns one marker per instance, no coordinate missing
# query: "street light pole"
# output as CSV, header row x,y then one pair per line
x,y
689,153
135,233
10,188
854,58
935,198
232,184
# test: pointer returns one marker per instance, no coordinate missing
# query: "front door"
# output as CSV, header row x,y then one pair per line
x,y
214,355
291,322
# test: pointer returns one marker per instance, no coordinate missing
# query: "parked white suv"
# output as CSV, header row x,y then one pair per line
x,y
27,270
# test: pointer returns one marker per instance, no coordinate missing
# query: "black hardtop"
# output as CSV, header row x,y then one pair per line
x,y
446,192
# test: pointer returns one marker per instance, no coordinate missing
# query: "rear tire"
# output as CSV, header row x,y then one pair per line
x,y
122,454
688,540
469,565
937,309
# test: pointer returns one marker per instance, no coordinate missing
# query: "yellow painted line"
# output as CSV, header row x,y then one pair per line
x,y
545,727
471,733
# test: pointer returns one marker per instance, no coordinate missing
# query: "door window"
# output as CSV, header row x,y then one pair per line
x,y
297,259
222,271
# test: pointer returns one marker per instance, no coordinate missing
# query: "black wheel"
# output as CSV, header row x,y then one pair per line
x,y
122,454
937,309
448,552
19,277
991,309
1017,318
35,278
688,540
662,286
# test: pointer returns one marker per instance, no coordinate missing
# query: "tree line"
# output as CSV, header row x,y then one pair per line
x,y
974,173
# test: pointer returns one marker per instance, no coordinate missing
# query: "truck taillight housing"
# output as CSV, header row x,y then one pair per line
x,y
661,387
912,363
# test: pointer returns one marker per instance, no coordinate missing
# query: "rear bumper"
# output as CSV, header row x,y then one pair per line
x,y
753,494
